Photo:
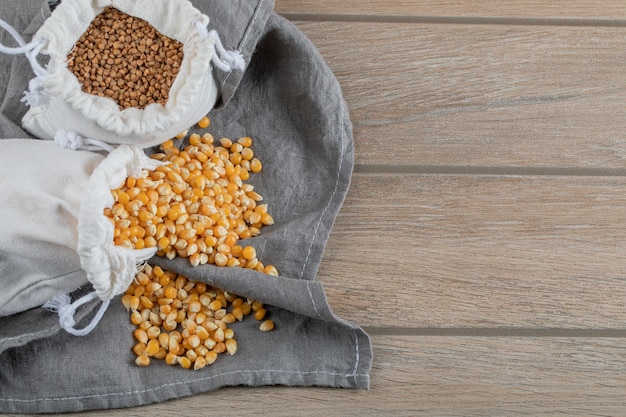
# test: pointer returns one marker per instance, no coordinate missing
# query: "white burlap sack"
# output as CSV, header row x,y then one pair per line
x,y
55,236
57,101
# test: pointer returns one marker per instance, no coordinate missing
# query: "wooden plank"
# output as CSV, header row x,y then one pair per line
x,y
479,251
520,9
463,95
423,376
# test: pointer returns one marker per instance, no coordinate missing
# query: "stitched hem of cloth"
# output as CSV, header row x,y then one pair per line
x,y
361,379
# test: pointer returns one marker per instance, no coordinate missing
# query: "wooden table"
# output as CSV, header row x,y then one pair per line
x,y
483,241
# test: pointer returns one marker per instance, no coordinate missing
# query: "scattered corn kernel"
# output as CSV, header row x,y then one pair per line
x,y
196,206
204,122
267,326
142,360
260,314
193,329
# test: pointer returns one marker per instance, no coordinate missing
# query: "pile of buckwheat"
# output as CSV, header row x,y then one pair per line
x,y
125,59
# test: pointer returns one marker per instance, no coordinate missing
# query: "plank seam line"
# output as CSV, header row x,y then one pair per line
x,y
425,169
455,20
497,332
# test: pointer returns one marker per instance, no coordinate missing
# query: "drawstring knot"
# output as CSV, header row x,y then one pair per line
x,y
63,306
223,59
68,139
35,96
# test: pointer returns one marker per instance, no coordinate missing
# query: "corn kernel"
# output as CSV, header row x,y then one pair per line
x,y
139,349
229,333
260,314
204,122
142,360
199,363
152,348
267,326
184,361
248,252
255,165
141,336
136,318
211,357
231,346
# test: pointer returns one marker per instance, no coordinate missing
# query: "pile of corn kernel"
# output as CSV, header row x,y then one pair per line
x,y
196,206
184,322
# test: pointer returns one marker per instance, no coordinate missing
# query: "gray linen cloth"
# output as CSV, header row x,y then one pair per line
x,y
291,104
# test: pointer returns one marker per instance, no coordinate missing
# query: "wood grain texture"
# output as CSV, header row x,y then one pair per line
x,y
486,95
519,9
479,251
443,376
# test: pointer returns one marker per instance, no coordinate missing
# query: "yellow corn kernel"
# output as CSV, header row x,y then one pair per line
x,y
246,308
260,314
245,141
142,360
152,348
211,357
184,362
247,154
201,351
136,318
194,341
255,165
164,339
209,344
231,346
220,347
202,333
257,305
161,353
169,325
192,355
248,253
139,349
270,270
199,363
142,197
218,335
237,312
122,197
170,292
221,259
126,301
267,326
141,336
145,216
152,287
215,305
267,219
146,302
204,122
229,318
153,332
229,333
